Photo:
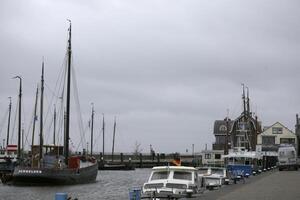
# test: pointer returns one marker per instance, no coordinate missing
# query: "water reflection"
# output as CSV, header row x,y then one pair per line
x,y
110,185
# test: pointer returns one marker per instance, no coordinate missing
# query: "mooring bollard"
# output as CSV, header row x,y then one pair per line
x,y
141,160
61,196
121,157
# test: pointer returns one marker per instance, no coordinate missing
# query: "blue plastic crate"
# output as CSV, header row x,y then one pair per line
x,y
135,194
61,196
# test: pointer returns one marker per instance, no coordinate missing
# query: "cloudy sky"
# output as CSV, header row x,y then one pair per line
x,y
166,68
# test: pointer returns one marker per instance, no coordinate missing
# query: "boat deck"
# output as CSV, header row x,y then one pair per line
x,y
85,164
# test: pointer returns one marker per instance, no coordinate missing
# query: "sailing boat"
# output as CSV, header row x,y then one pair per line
x,y
103,165
56,167
11,157
8,155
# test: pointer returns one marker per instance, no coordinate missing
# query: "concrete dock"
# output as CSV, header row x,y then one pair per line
x,y
267,186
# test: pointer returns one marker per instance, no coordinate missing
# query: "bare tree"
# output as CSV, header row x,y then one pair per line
x,y
137,149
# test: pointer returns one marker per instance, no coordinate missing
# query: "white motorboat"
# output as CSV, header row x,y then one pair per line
x,y
214,176
172,181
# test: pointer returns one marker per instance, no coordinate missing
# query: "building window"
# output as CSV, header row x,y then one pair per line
x,y
277,130
207,156
268,140
220,139
223,128
217,156
287,140
243,126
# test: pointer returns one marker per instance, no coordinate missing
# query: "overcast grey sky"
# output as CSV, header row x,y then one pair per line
x,y
166,68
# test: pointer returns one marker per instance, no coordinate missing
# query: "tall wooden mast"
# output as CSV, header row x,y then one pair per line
x,y
67,133
41,115
8,123
34,120
34,117
19,117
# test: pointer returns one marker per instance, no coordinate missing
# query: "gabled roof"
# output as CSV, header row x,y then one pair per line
x,y
269,127
251,120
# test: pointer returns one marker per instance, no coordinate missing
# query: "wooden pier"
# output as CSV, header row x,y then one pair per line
x,y
273,185
148,160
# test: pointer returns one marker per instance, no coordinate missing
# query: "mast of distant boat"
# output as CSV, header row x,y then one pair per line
x,y
8,123
113,145
92,129
103,131
54,124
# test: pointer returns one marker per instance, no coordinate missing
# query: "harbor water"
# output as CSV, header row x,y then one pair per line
x,y
110,185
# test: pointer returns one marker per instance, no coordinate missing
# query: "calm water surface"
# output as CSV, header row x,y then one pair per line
x,y
110,185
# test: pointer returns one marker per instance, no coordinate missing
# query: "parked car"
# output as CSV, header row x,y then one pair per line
x,y
287,157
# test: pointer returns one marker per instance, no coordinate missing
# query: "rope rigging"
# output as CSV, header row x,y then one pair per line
x,y
57,97
2,125
54,99
29,129
78,108
14,123
81,143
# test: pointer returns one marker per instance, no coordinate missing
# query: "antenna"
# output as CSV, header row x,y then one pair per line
x,y
248,102
227,112
244,100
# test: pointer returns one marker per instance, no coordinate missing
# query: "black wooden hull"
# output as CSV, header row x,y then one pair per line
x,y
46,176
6,170
7,167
